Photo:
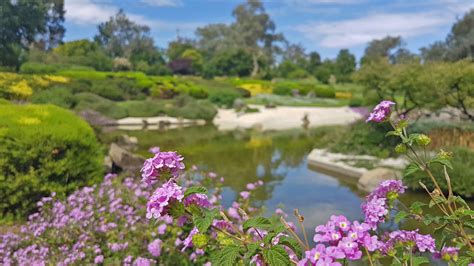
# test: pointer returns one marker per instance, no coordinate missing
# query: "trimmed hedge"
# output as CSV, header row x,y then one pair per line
x,y
43,149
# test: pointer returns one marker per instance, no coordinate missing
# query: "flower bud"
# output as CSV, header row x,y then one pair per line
x,y
423,140
401,148
200,240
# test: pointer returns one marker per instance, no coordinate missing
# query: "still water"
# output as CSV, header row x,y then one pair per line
x,y
277,158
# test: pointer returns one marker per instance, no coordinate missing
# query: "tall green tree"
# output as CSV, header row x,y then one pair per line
x,y
345,65
460,41
381,48
314,60
177,47
25,22
121,37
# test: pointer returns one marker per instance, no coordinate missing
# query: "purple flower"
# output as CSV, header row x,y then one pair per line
x,y
154,150
319,256
197,199
419,242
99,259
250,186
162,163
143,262
387,189
155,247
381,112
188,241
447,254
350,248
375,211
245,194
158,203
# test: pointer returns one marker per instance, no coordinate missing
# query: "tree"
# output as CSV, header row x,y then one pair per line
x,y
236,62
324,72
255,31
196,59
25,22
176,48
381,48
313,62
121,37
461,39
437,51
295,53
82,52
345,65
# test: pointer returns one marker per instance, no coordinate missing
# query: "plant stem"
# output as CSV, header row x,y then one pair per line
x,y
288,228
368,255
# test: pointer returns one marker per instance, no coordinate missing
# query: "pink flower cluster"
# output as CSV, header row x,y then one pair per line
x,y
162,163
339,239
376,206
160,201
381,112
447,254
418,241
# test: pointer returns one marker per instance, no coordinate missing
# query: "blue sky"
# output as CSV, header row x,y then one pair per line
x,y
322,25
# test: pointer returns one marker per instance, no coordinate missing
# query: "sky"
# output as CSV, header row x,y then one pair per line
x,y
325,26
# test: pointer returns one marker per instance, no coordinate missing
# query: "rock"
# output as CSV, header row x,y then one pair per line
x,y
108,164
239,104
124,159
372,178
311,95
96,119
295,93
127,142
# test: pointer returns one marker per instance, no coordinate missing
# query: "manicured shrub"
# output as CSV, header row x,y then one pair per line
x,y
324,91
38,68
223,98
44,149
356,102
89,101
143,108
187,107
285,88
59,96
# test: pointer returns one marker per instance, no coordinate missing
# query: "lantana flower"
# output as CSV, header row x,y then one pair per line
x,y
381,112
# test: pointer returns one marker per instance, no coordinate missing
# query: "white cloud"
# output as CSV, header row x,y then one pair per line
x,y
352,32
163,3
86,12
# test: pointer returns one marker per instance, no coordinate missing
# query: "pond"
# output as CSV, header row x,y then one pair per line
x,y
277,158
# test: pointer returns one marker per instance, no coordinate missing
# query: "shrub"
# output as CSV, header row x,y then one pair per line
x,y
59,96
223,98
285,88
324,91
90,101
143,108
187,107
356,102
243,92
38,68
43,148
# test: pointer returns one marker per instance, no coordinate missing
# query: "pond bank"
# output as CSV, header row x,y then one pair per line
x,y
284,117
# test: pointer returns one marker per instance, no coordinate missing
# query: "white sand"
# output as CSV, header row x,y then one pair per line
x,y
283,117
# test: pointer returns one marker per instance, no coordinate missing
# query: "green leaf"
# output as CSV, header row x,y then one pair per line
x,y
292,244
177,209
276,256
436,200
463,261
400,216
442,161
194,190
253,249
268,238
416,207
392,133
411,169
258,222
203,222
420,260
227,256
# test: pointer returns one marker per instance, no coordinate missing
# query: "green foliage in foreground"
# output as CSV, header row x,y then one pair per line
x,y
463,174
43,148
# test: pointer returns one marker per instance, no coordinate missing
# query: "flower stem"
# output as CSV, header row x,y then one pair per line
x,y
368,256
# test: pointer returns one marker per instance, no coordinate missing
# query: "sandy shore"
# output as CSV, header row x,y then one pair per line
x,y
283,117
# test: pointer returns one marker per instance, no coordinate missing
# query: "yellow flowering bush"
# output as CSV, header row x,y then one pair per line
x,y
256,88
343,95
21,90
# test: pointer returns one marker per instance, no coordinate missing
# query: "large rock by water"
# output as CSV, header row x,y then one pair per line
x,y
371,179
124,159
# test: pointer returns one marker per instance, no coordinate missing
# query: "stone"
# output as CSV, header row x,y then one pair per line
x,y
239,104
96,119
125,160
372,178
127,142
